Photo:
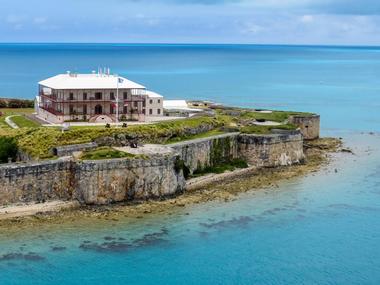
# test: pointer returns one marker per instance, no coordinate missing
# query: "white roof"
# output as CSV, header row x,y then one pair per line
x,y
152,94
178,105
88,81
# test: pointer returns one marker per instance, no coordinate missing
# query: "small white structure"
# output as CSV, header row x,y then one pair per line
x,y
96,97
179,105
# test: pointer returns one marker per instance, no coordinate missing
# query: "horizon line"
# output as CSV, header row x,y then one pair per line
x,y
190,43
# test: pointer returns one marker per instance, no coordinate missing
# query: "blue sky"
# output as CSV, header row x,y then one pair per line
x,y
334,22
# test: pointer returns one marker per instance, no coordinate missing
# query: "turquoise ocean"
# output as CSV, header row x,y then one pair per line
x,y
320,229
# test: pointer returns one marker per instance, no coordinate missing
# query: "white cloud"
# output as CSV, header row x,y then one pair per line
x,y
307,19
14,19
251,28
39,20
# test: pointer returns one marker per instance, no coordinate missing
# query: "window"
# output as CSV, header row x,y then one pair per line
x,y
112,96
125,110
135,104
98,95
150,101
144,103
112,108
150,111
71,96
125,95
84,109
158,111
71,109
158,101
143,111
98,110
84,96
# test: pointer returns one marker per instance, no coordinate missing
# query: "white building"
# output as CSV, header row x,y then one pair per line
x,y
95,97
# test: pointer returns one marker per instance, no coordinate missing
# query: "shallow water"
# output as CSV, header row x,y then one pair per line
x,y
320,229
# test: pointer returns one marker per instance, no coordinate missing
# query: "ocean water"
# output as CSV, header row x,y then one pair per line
x,y
320,229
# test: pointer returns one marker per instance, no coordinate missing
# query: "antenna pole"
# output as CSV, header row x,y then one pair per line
x,y
117,101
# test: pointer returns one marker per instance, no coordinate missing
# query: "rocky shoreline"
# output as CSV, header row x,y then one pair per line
x,y
225,187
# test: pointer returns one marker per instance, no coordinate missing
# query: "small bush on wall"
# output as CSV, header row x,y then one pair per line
x,y
8,149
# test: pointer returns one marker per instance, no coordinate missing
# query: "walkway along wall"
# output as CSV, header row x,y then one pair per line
x,y
116,180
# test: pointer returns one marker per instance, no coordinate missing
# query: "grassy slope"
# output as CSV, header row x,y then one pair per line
x,y
38,142
9,112
192,137
104,153
23,122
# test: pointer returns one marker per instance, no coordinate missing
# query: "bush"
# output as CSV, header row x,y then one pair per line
x,y
8,149
108,126
18,103
105,153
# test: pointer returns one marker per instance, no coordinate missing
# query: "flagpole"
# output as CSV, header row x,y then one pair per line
x,y
117,102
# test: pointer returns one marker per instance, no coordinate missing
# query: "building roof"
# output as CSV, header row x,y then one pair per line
x,y
178,105
152,94
88,81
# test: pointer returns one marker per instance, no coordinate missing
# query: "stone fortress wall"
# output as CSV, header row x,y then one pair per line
x,y
308,124
156,176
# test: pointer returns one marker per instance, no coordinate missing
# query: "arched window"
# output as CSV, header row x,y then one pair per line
x,y
98,109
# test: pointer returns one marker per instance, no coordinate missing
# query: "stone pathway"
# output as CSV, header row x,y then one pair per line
x,y
12,211
10,122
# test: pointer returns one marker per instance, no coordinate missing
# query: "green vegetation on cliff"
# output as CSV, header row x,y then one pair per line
x,y
104,153
38,141
8,149
276,116
266,129
221,167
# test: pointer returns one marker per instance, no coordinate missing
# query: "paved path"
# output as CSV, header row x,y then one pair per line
x,y
10,122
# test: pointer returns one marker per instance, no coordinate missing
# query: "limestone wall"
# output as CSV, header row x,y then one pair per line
x,y
210,151
116,180
108,181
271,150
40,181
308,124
90,182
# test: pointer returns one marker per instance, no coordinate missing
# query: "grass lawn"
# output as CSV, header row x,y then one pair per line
x,y
104,153
262,130
199,136
23,122
9,112
276,116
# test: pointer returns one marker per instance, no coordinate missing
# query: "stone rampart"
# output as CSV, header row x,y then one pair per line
x,y
155,176
36,181
90,182
308,124
116,180
201,153
271,150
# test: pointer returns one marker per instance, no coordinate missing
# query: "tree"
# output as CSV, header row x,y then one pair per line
x,y
8,149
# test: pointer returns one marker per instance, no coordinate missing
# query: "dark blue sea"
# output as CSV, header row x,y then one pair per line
x,y
320,229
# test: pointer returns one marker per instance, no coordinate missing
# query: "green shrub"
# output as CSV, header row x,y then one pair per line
x,y
8,149
222,167
104,153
